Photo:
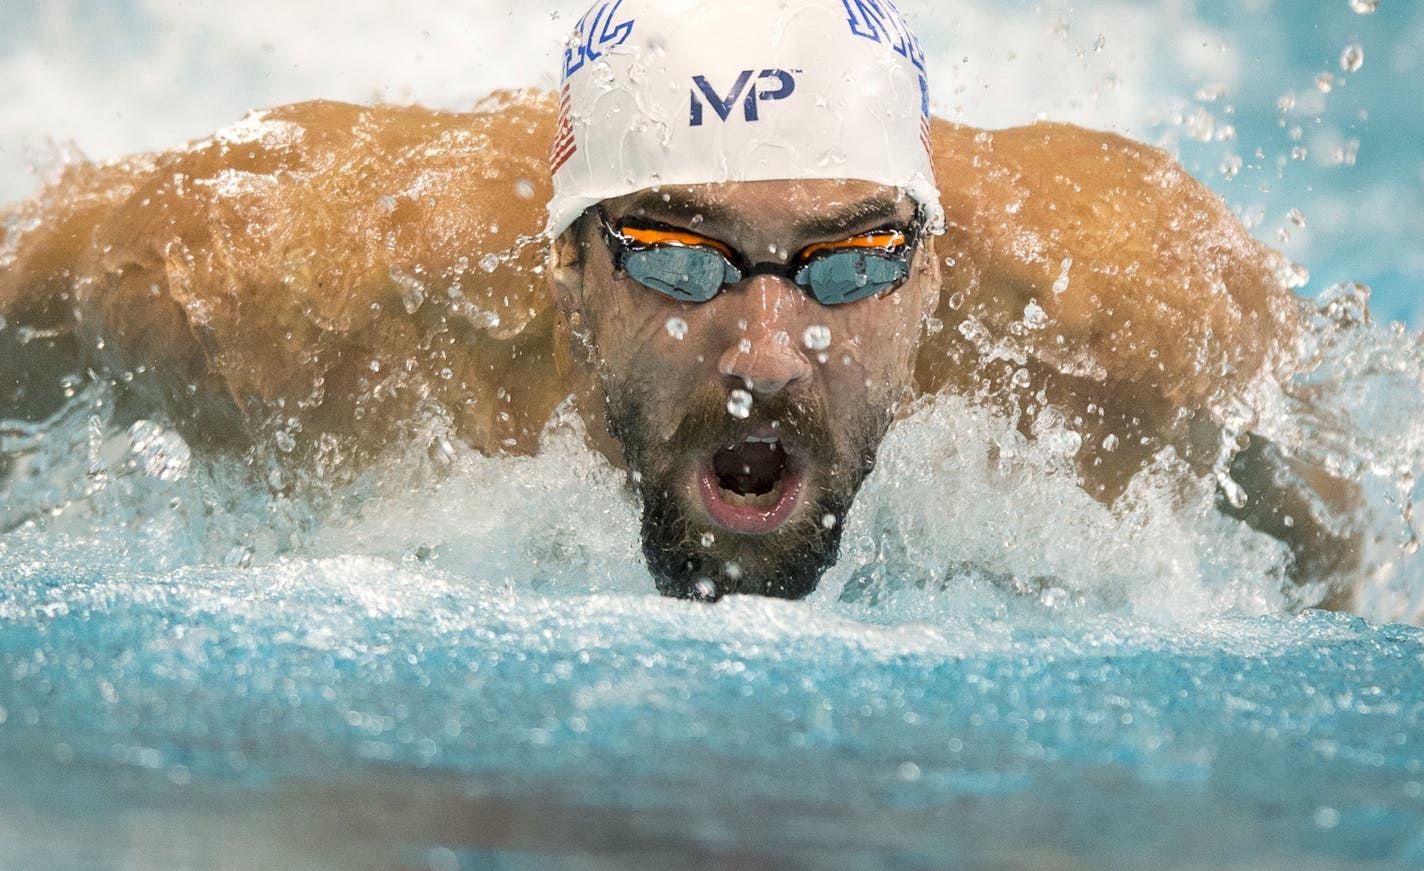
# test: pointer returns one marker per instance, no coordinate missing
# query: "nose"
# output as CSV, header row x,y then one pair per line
x,y
765,357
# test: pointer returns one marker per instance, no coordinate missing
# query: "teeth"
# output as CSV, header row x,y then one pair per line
x,y
763,501
763,440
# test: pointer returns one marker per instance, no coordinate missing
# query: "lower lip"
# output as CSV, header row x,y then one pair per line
x,y
745,519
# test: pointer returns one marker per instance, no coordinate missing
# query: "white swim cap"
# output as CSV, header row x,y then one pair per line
x,y
682,92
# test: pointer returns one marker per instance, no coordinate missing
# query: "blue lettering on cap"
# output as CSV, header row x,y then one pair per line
x,y
598,32
881,21
744,89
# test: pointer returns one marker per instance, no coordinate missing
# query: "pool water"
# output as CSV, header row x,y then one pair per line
x,y
457,661
319,710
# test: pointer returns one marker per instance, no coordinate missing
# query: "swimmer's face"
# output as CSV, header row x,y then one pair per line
x,y
750,420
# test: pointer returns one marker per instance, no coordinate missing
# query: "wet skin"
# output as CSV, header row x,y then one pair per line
x,y
816,416
328,269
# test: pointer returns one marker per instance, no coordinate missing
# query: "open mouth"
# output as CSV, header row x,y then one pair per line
x,y
751,486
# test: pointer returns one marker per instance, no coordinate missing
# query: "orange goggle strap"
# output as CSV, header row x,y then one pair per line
x,y
875,239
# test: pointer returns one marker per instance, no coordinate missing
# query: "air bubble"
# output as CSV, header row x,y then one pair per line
x,y
739,404
1364,7
1352,58
677,328
817,337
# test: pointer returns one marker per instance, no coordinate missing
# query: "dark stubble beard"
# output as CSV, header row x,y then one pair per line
x,y
688,555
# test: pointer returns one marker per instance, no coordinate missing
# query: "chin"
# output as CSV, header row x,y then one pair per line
x,y
777,546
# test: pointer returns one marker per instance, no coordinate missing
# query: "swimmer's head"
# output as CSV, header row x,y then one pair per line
x,y
686,92
743,262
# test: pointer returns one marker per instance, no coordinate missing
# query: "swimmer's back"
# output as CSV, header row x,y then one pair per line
x,y
329,264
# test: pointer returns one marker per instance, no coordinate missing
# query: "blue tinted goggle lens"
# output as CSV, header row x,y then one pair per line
x,y
694,274
688,274
846,276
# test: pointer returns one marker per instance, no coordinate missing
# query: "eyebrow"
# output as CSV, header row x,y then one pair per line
x,y
875,211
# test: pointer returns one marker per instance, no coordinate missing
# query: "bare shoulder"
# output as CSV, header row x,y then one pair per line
x,y
1142,272
335,263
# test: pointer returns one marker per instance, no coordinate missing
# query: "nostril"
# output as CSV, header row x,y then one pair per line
x,y
765,364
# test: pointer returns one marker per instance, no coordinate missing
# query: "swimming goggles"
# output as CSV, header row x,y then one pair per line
x,y
693,268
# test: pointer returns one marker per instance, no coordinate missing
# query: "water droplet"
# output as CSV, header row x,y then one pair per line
x,y
1326,818
745,346
388,202
524,189
828,521
1021,379
489,262
163,454
708,539
1325,83
442,451
240,557
1110,442
285,442
1061,284
1286,102
412,299
732,571
739,404
1352,58
1296,217
1364,7
1034,317
956,301
705,589
817,337
677,328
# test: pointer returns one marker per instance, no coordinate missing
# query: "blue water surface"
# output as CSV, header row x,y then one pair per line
x,y
316,711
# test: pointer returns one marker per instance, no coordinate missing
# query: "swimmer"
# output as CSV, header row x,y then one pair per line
x,y
762,250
